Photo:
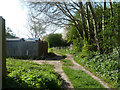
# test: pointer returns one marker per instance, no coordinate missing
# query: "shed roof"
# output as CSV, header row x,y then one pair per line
x,y
15,39
32,39
22,39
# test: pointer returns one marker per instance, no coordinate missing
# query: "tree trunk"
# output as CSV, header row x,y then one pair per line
x,y
95,25
103,17
111,9
118,27
82,13
103,23
111,18
88,23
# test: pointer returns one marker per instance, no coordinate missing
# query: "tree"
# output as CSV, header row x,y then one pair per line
x,y
54,40
95,26
118,6
63,14
82,12
104,15
111,9
35,27
90,22
9,33
56,13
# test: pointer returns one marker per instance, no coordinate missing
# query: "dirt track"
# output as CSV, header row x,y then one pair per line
x,y
58,68
79,67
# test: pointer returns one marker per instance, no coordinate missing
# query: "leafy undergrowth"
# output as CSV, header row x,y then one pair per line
x,y
103,65
80,79
31,75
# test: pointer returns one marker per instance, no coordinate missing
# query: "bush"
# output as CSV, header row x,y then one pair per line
x,y
87,47
55,40
87,50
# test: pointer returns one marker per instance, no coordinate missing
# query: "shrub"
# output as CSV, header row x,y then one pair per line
x,y
55,40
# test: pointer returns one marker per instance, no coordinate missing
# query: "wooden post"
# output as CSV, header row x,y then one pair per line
x,y
2,52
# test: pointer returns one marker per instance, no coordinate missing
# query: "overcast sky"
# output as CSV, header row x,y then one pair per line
x,y
15,16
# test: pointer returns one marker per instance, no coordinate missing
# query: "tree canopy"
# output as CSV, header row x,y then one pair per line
x,y
54,40
93,22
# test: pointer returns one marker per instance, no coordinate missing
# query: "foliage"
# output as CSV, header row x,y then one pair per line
x,y
32,75
9,33
56,51
73,37
103,62
104,65
80,79
87,49
107,37
110,34
54,40
63,50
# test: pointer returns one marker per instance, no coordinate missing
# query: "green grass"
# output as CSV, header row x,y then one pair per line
x,y
104,66
56,51
65,50
31,75
67,62
80,79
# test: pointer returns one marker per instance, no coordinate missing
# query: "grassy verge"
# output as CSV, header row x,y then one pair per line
x,y
80,79
104,66
56,51
67,62
31,75
65,51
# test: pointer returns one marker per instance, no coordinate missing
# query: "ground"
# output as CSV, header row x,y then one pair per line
x,y
58,68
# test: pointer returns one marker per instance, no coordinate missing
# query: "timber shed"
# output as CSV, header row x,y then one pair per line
x,y
26,47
